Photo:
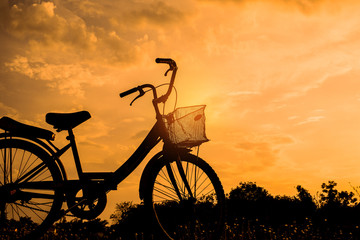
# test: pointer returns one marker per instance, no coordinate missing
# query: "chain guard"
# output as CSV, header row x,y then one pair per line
x,y
87,202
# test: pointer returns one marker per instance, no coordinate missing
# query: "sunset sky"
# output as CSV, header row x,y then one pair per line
x,y
280,78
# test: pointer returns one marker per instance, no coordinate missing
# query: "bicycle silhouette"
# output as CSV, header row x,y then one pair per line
x,y
179,190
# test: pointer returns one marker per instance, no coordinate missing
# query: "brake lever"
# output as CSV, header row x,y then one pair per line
x,y
141,93
170,69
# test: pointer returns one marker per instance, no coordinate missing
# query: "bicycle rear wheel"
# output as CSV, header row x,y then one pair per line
x,y
182,214
30,192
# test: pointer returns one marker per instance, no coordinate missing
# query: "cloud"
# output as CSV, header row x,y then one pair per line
x,y
69,44
55,33
38,21
312,74
264,63
68,78
132,120
293,117
10,112
242,93
263,151
129,14
311,120
140,134
305,6
157,12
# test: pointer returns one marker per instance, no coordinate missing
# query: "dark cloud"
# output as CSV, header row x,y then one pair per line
x,y
41,23
112,31
51,28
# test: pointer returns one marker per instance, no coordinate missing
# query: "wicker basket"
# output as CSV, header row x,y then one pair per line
x,y
186,126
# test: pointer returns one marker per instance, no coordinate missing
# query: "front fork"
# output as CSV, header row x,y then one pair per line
x,y
186,201
175,182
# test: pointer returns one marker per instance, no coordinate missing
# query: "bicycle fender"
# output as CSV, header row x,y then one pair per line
x,y
147,173
28,139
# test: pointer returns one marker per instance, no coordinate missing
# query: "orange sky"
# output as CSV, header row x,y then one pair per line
x,y
280,79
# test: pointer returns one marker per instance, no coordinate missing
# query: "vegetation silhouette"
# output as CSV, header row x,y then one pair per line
x,y
252,213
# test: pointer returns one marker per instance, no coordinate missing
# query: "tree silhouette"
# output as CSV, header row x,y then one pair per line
x,y
122,211
249,191
332,198
307,205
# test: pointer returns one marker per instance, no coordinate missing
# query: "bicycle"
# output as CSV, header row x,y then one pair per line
x,y
181,192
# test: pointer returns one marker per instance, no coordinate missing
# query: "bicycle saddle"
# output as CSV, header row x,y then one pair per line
x,y
21,129
67,121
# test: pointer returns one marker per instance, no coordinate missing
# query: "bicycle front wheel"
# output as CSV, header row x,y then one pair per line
x,y
31,196
187,199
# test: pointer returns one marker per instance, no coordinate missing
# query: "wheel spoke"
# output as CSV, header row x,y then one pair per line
x,y
167,187
15,210
32,173
32,210
165,194
21,163
200,185
25,167
164,176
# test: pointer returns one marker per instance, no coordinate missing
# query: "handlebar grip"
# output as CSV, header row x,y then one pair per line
x,y
128,92
166,60
163,60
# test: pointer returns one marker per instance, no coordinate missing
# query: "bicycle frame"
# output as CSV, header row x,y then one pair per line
x,y
111,179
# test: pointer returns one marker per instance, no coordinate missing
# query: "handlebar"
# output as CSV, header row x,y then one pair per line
x,y
163,98
173,68
128,92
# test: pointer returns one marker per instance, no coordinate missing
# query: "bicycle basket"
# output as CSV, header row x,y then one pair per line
x,y
186,126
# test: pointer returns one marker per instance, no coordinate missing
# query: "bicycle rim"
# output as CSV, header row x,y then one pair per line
x,y
184,215
30,197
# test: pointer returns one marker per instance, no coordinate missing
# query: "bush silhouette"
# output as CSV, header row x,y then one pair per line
x,y
250,201
332,198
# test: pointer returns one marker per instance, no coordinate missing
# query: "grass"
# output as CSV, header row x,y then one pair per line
x,y
246,229
239,229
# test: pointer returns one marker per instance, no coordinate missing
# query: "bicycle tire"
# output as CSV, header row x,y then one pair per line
x,y
200,217
27,211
